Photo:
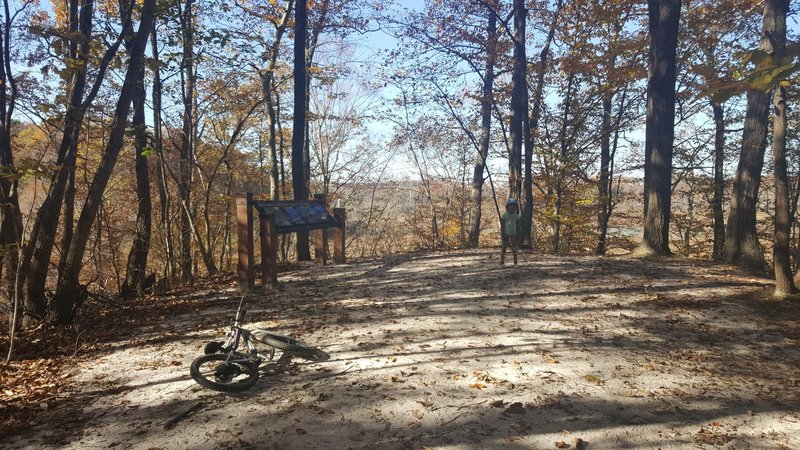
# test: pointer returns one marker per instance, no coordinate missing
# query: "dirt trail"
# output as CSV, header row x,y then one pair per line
x,y
453,351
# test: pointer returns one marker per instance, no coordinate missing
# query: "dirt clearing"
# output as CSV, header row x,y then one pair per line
x,y
447,351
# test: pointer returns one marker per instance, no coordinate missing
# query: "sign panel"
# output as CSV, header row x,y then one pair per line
x,y
291,216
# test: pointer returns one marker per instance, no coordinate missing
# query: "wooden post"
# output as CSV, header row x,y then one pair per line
x,y
269,251
339,236
244,228
321,237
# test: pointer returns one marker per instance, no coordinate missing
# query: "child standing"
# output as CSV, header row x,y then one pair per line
x,y
509,230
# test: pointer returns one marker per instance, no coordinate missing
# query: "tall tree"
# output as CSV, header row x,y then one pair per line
x,y
487,101
663,21
162,179
136,268
741,239
188,79
532,130
518,117
271,97
718,111
10,214
619,63
299,124
715,31
784,282
69,289
35,262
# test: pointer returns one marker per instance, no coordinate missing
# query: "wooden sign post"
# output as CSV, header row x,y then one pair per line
x,y
281,217
339,236
244,230
269,251
321,238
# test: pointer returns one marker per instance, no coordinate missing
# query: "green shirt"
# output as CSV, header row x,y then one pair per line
x,y
510,220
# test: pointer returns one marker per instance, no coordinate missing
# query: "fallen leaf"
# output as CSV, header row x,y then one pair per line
x,y
592,379
562,444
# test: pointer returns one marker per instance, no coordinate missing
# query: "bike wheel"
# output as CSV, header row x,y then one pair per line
x,y
212,372
290,345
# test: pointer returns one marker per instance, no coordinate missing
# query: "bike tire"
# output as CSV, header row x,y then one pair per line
x,y
290,345
223,376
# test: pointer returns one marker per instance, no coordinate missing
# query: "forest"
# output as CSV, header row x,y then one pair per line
x,y
129,127
652,147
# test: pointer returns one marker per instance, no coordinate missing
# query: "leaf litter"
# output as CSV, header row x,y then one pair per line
x,y
637,354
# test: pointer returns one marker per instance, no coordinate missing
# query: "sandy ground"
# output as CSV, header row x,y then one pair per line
x,y
453,351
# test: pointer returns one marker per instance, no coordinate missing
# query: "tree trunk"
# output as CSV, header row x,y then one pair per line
x,y
603,184
664,17
526,218
69,290
163,194
274,186
299,125
518,116
719,178
140,248
35,262
607,127
270,93
562,167
784,282
10,214
303,250
487,99
187,140
741,239
718,186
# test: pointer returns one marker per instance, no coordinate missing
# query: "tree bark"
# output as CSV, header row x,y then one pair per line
x,y
299,125
603,183
718,111
487,99
719,178
140,248
158,147
10,214
518,116
187,140
35,262
664,17
784,282
562,167
69,290
268,87
303,250
742,247
526,219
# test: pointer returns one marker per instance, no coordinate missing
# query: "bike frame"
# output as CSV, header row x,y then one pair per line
x,y
236,335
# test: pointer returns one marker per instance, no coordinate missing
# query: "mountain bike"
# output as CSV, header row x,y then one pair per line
x,y
233,365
